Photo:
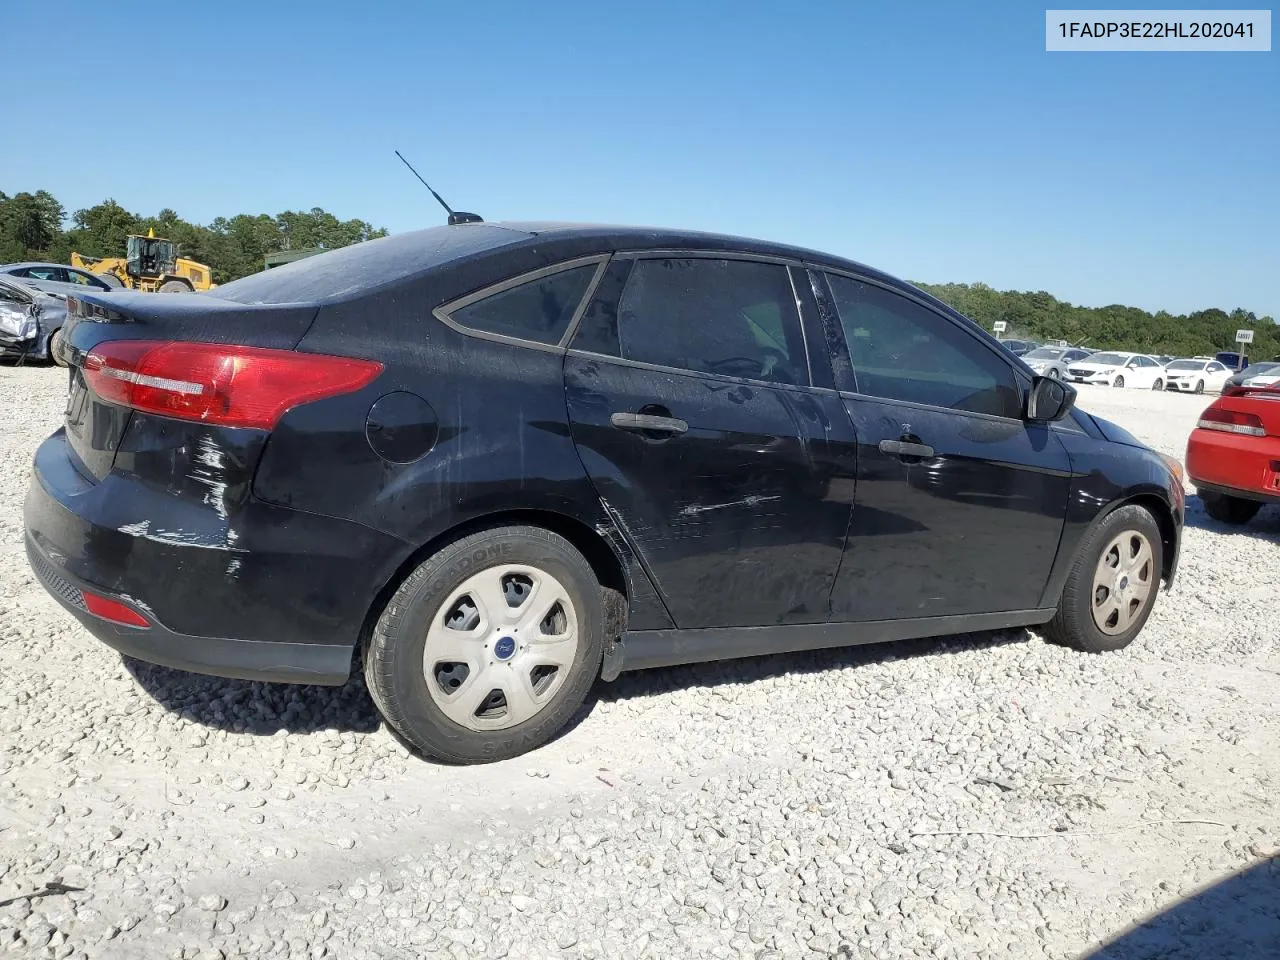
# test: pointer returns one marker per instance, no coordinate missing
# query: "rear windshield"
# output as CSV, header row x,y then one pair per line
x,y
362,267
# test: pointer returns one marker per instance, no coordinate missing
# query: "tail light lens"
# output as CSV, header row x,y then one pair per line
x,y
113,610
1230,421
222,384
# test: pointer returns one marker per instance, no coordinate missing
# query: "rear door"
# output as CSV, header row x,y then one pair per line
x,y
960,502
690,402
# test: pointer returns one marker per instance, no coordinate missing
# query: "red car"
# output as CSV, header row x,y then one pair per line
x,y
1233,455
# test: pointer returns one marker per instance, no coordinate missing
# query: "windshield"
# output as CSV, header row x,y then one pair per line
x,y
1187,365
1108,358
1258,369
1045,353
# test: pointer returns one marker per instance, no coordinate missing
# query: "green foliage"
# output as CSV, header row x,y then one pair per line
x,y
31,228
1039,316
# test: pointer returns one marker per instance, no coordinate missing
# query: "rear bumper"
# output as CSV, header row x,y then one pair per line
x,y
217,656
1238,466
264,593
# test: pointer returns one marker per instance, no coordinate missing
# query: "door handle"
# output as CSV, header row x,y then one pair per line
x,y
647,421
905,448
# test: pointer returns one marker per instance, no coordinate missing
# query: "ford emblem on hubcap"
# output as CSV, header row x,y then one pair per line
x,y
505,648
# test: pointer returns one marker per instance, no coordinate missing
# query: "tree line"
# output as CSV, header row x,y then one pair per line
x,y
1041,316
34,226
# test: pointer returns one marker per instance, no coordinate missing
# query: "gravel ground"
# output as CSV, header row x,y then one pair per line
x,y
981,796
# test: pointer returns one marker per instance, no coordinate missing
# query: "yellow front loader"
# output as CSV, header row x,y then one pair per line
x,y
152,264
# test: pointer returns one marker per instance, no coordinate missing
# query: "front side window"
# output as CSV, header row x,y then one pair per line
x,y
902,350
731,317
539,309
75,276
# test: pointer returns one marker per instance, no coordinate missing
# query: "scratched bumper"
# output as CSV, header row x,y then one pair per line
x,y
267,575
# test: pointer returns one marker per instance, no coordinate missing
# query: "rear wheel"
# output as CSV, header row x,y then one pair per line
x,y
489,647
1236,511
1158,385
1112,586
174,286
1118,383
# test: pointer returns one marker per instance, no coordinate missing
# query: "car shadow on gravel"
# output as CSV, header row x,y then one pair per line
x,y
1237,917
648,683
258,709
1265,526
264,709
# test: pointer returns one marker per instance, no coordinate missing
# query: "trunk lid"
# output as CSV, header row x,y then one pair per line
x,y
95,427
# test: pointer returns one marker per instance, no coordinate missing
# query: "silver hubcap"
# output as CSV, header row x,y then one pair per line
x,y
500,647
1123,582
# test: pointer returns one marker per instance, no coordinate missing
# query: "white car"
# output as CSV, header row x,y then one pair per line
x,y
1266,377
1196,375
1119,370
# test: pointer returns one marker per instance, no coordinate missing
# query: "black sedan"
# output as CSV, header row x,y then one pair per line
x,y
495,462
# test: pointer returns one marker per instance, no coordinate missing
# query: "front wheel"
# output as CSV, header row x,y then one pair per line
x,y
174,286
1199,386
1236,511
489,647
1158,385
1112,587
54,348
1118,383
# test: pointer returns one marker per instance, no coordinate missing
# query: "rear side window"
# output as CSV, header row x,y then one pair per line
x,y
538,309
731,317
901,350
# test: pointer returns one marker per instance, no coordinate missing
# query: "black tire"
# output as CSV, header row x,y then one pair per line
x,y
1074,625
174,286
1118,383
55,342
1199,386
393,662
1236,511
1158,385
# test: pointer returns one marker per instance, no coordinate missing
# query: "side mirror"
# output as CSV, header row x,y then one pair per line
x,y
1050,399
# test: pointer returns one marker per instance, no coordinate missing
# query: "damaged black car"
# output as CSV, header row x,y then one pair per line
x,y
489,464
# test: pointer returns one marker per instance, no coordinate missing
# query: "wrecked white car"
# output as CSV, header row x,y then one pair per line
x,y
30,321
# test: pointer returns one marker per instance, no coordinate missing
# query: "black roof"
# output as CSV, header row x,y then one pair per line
x,y
358,269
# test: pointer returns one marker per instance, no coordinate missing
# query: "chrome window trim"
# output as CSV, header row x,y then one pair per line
x,y
682,372
444,312
934,408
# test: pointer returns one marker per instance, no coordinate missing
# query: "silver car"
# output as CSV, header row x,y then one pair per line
x,y
59,278
30,320
1053,361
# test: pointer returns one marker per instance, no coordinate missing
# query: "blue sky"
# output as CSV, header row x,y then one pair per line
x,y
937,141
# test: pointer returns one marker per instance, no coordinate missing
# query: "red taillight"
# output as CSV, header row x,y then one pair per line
x,y
113,610
1231,421
223,384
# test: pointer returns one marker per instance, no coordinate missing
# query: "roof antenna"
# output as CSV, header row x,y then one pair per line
x,y
454,218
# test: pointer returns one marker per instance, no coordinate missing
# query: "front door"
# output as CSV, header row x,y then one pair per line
x,y
689,401
960,502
